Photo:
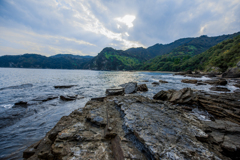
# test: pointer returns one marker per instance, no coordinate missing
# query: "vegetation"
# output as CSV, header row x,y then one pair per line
x,y
224,55
60,61
189,57
182,54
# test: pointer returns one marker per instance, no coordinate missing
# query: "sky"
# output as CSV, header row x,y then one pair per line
x,y
85,27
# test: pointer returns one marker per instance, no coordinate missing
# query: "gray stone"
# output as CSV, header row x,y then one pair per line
x,y
130,87
142,88
114,92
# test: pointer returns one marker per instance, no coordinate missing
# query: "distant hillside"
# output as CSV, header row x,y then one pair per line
x,y
173,60
60,61
223,56
111,59
175,56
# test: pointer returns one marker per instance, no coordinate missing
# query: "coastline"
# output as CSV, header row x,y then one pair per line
x,y
108,127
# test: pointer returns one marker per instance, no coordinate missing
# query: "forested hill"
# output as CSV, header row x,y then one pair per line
x,y
174,60
168,55
60,61
218,58
175,56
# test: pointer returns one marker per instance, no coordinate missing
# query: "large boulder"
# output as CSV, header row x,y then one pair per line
x,y
142,88
115,92
182,96
193,81
130,87
232,73
162,95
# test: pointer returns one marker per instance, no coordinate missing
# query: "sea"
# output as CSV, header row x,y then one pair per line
x,y
21,126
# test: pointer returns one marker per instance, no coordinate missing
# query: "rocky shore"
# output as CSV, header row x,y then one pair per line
x,y
175,124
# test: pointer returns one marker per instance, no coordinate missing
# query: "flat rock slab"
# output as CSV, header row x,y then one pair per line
x,y
64,86
115,92
221,89
136,127
193,81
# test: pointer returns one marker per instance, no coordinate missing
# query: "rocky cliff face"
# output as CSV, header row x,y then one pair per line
x,y
136,127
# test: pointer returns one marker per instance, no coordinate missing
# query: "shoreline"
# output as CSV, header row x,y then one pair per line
x,y
108,127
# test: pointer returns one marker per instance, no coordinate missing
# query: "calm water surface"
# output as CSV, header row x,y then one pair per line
x,y
22,126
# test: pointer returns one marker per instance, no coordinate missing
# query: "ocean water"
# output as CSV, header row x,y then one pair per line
x,y
20,126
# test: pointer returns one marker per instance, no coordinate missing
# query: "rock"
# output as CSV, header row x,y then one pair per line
x,y
145,81
114,92
182,96
183,73
200,83
194,75
216,82
187,108
188,72
155,83
162,95
237,91
196,72
232,73
219,89
70,98
237,85
136,127
193,81
142,88
180,73
130,87
238,64
161,81
211,75
101,99
20,103
66,86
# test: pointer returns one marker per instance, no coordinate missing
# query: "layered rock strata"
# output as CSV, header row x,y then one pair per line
x,y
136,127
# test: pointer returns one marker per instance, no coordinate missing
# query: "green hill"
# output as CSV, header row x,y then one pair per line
x,y
111,59
60,61
224,55
179,58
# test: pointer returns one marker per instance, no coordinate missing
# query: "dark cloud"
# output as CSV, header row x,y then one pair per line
x,y
85,27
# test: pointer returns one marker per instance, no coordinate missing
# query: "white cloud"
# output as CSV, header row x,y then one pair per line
x,y
86,27
127,19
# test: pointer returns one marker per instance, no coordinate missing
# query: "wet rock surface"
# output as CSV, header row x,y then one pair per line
x,y
193,81
64,86
130,87
155,83
114,92
221,89
222,82
162,81
142,88
136,127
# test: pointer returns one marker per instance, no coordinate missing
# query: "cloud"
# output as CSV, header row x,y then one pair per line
x,y
85,27
127,19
